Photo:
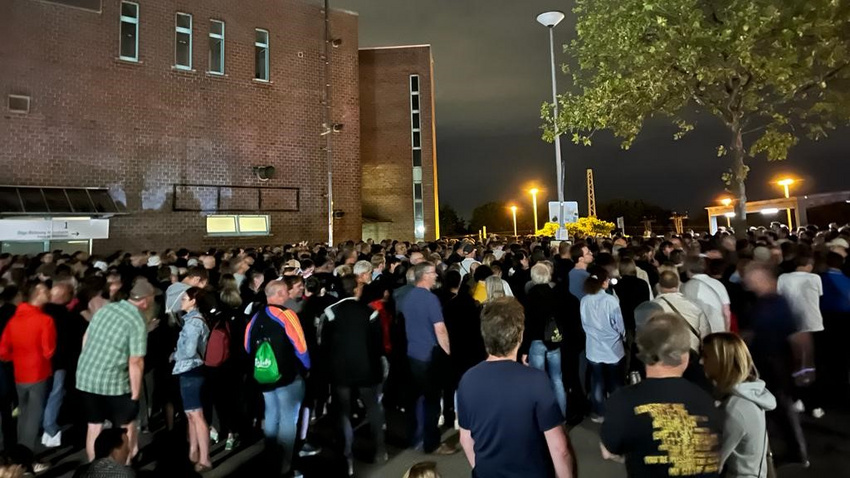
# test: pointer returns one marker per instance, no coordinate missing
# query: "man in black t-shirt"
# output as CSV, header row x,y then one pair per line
x,y
665,425
510,423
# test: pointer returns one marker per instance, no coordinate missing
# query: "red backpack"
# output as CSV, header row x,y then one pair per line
x,y
218,347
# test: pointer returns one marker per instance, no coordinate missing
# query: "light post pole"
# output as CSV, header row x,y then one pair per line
x,y
513,211
785,183
534,207
550,20
726,202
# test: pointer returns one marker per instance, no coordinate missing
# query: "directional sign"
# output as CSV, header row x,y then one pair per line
x,y
53,229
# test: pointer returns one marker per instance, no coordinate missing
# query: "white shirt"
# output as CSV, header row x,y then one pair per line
x,y
713,294
690,310
466,266
803,291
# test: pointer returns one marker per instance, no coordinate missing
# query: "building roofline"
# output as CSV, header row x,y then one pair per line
x,y
396,47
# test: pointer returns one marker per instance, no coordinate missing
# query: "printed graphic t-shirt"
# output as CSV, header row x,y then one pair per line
x,y
664,427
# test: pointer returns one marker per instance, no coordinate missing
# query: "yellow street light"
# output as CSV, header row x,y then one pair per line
x,y
786,183
534,192
513,211
727,202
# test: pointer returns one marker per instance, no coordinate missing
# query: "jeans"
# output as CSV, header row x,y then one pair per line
x,y
283,405
605,379
54,403
549,361
31,398
424,412
374,413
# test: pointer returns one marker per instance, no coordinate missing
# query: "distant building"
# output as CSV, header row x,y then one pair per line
x,y
397,143
154,124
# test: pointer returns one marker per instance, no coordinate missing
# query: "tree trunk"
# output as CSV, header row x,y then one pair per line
x,y
739,175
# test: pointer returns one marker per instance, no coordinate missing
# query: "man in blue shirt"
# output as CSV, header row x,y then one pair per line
x,y
510,422
582,257
427,348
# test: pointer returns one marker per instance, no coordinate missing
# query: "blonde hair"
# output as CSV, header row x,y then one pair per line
x,y
727,357
495,288
425,469
540,273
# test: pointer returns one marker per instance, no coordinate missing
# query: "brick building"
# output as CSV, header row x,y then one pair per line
x,y
398,143
170,106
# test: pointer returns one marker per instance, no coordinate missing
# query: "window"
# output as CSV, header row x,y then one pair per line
x,y
261,48
416,145
217,47
238,225
129,41
183,42
417,192
417,157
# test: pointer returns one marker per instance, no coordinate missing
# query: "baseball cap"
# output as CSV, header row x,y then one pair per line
x,y
468,248
141,289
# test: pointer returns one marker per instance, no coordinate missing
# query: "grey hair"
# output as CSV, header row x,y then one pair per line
x,y
420,269
362,267
663,339
494,287
540,273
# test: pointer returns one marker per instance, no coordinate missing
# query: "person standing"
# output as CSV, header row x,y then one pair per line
x,y
353,344
112,363
744,449
582,257
68,336
710,292
510,434
29,341
602,320
645,424
189,368
427,350
280,373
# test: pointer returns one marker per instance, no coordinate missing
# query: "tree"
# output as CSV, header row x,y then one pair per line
x,y
451,224
771,71
584,227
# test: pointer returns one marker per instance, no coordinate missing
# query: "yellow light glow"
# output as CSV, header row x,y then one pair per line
x,y
726,202
534,191
513,208
785,182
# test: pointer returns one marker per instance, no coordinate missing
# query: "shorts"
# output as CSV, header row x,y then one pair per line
x,y
119,410
191,383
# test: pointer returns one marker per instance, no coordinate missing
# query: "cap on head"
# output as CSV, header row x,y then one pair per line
x,y
142,289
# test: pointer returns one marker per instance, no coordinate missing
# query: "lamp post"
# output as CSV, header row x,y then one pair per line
x,y
785,183
726,202
534,207
550,20
513,211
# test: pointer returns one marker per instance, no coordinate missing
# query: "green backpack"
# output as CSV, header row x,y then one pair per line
x,y
265,365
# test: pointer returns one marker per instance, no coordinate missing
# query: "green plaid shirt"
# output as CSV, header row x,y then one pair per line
x,y
116,333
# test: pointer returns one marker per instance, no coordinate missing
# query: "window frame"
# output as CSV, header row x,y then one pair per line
x,y
237,232
178,30
130,20
267,56
220,38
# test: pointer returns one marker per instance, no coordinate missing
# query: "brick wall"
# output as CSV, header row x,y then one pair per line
x,y
385,148
139,128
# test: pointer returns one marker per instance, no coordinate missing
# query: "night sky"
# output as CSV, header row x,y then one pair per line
x,y
492,69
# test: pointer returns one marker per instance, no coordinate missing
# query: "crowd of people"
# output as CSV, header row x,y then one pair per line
x,y
510,341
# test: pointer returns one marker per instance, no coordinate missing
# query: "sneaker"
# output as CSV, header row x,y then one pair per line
x,y
39,467
446,449
818,413
309,450
597,419
350,467
799,407
231,443
213,435
44,438
441,421
55,441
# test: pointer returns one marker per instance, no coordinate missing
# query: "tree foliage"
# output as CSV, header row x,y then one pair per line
x,y
451,224
772,71
584,227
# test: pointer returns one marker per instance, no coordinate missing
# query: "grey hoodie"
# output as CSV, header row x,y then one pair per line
x,y
744,447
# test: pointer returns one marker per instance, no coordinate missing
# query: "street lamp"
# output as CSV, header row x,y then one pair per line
x,y
786,183
534,206
513,211
726,202
550,20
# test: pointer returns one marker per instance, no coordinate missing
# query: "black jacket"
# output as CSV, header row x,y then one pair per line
x,y
352,344
542,303
282,329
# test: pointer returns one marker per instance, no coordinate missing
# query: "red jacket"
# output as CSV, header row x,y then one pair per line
x,y
28,342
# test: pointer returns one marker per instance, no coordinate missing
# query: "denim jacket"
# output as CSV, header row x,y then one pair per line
x,y
192,343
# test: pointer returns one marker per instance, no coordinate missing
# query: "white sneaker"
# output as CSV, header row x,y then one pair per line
x,y
799,407
54,441
818,413
44,438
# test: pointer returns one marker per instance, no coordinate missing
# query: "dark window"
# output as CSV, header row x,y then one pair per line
x,y
80,200
414,102
415,120
103,202
417,157
417,139
33,200
9,200
129,31
56,200
414,83
417,191
418,210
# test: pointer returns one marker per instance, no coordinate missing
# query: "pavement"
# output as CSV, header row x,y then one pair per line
x,y
163,454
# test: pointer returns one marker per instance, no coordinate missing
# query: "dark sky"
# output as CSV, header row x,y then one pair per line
x,y
492,69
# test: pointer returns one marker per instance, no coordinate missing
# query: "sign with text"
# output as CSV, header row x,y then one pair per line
x,y
53,229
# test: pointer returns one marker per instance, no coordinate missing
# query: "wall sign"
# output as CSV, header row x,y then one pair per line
x,y
53,229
